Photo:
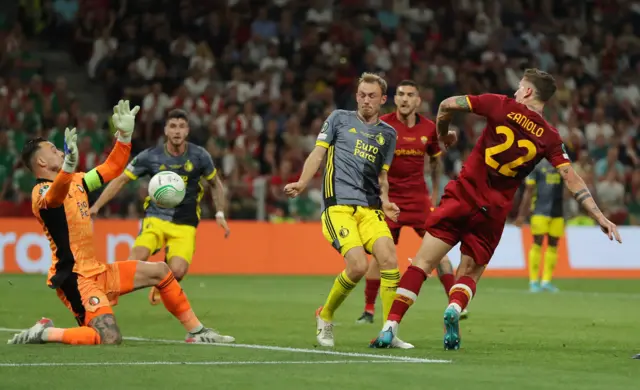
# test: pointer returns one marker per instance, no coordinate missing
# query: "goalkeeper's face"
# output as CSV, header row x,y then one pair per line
x,y
49,157
176,131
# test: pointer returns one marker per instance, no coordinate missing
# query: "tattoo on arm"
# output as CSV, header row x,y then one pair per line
x,y
582,195
446,109
107,328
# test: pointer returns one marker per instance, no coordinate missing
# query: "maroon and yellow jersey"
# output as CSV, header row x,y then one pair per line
x,y
407,187
513,142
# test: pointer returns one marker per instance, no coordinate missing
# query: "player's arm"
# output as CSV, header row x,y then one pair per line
x,y
447,108
435,166
137,167
383,182
583,196
58,190
210,174
527,197
123,119
390,209
326,138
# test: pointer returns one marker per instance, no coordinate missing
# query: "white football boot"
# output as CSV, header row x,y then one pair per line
x,y
32,335
324,331
208,336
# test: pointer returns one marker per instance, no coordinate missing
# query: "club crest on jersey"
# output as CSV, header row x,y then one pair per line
x,y
380,139
188,166
424,139
93,301
344,232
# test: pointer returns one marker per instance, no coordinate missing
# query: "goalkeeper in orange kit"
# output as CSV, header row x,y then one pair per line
x,y
86,285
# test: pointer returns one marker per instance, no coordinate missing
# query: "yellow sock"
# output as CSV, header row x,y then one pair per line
x,y
389,279
342,287
550,260
534,263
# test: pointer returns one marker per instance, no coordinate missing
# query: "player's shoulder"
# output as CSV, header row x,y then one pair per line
x,y
197,152
39,190
157,150
425,123
340,114
388,117
385,127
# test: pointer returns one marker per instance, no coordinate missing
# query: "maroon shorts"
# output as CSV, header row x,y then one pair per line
x,y
459,218
410,216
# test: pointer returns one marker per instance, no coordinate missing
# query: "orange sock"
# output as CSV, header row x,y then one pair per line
x,y
83,335
176,302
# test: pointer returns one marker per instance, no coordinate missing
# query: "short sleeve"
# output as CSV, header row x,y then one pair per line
x,y
557,154
391,151
433,147
139,166
209,170
487,104
328,132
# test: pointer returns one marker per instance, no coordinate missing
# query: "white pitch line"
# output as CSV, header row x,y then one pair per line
x,y
408,359
236,363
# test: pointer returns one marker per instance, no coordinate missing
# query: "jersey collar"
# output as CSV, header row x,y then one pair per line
x,y
166,151
41,180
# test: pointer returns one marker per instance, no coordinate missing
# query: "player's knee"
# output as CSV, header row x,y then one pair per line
x,y
357,269
107,328
140,253
179,267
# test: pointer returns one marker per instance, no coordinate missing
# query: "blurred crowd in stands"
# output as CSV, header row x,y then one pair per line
x,y
259,77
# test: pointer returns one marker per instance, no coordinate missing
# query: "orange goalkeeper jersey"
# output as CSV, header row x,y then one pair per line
x,y
62,208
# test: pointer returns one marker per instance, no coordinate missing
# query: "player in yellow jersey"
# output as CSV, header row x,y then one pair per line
x,y
174,229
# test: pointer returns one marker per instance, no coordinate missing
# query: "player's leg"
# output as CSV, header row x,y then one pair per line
x,y
445,269
461,293
556,229
85,297
339,226
477,247
372,279
149,242
134,275
371,288
539,228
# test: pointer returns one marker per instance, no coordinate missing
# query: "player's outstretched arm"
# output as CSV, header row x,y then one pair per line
x,y
123,119
310,168
109,193
581,193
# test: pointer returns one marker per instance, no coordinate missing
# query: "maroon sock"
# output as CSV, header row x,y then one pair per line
x,y
407,292
370,293
447,281
462,292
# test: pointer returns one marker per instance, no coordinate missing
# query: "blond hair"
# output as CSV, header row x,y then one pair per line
x,y
373,78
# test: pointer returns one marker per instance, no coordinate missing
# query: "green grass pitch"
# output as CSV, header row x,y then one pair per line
x,y
581,338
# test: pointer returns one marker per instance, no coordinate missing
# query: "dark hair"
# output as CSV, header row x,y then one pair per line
x,y
178,114
29,149
543,82
409,83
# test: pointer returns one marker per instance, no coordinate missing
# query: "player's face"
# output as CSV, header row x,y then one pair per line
x,y
407,100
369,97
176,131
49,157
524,92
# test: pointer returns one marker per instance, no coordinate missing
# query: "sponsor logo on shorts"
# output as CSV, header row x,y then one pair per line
x,y
93,301
344,232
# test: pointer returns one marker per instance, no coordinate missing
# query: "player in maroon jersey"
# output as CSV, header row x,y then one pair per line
x,y
474,207
417,137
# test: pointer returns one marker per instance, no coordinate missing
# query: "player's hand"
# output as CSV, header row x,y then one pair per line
x,y
519,221
93,211
449,139
70,150
294,189
610,229
391,210
124,119
222,222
